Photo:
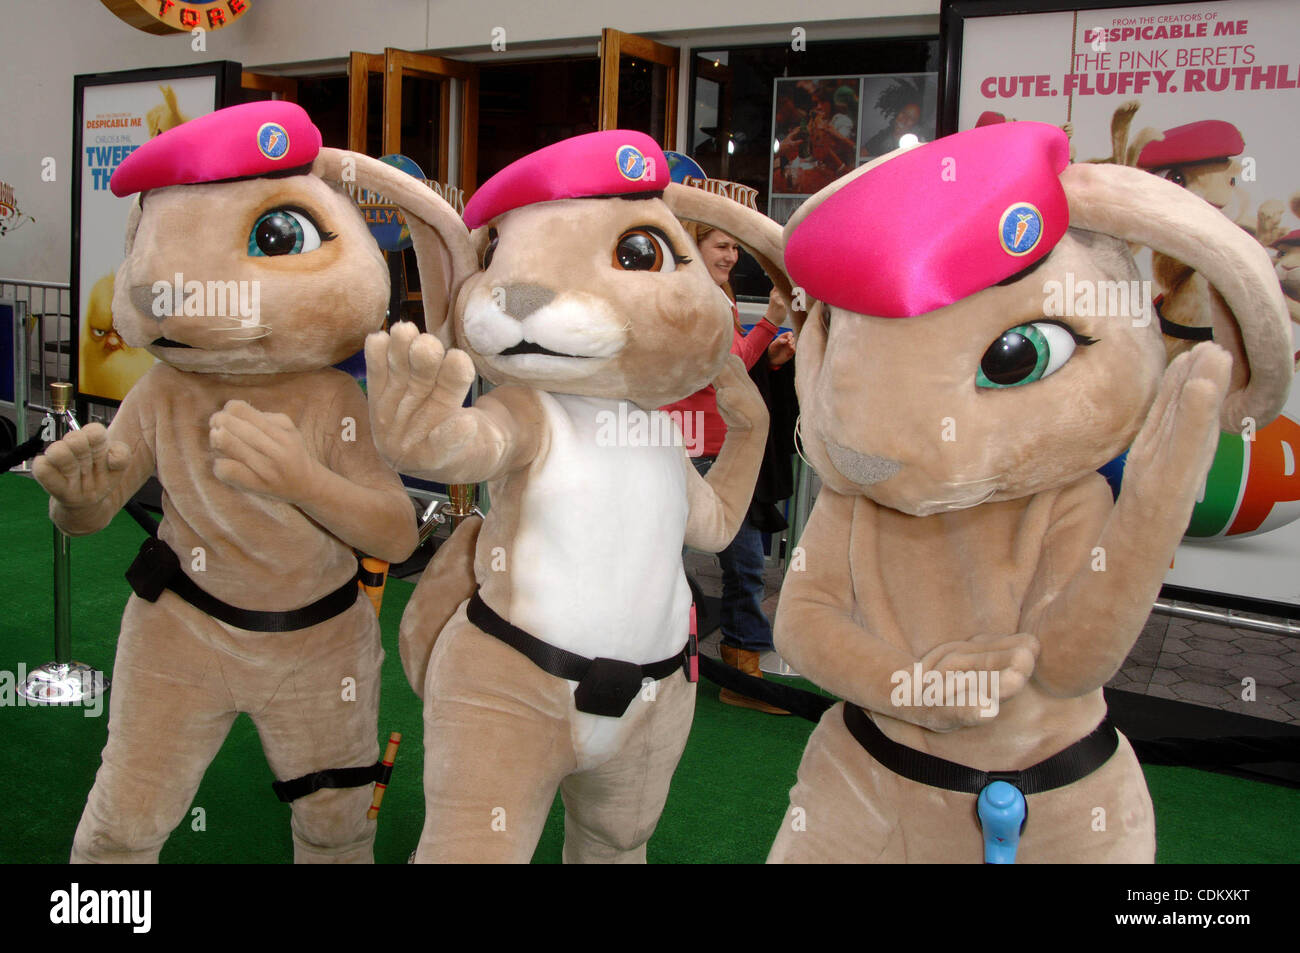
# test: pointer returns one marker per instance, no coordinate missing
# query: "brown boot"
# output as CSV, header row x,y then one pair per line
x,y
747,662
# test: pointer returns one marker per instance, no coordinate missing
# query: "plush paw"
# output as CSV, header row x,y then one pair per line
x,y
1176,443
413,386
83,468
983,673
261,453
739,402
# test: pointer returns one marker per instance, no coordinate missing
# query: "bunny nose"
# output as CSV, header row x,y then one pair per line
x,y
862,469
523,300
143,298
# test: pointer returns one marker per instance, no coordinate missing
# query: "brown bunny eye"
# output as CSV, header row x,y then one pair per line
x,y
493,238
637,250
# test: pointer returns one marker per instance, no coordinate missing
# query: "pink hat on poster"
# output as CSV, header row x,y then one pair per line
x,y
928,226
613,162
236,142
1200,141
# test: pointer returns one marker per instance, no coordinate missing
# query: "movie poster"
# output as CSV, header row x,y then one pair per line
x,y
116,120
1150,73
826,126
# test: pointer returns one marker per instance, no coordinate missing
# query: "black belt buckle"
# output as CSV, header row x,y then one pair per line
x,y
608,687
153,568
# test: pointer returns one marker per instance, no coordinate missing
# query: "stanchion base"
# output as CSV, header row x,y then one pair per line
x,y
773,664
57,683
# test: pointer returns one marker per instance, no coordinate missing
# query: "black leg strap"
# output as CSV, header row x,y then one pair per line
x,y
157,568
332,778
605,686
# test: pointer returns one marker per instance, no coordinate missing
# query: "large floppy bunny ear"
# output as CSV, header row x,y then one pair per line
x,y
441,241
1139,207
759,235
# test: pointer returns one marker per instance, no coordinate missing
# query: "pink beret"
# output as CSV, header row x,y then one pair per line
x,y
613,162
1194,142
238,141
988,118
931,225
1291,238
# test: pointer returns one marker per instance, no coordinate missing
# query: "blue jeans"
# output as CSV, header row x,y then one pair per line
x,y
743,624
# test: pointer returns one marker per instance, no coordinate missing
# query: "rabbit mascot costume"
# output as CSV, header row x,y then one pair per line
x,y
248,600
570,666
971,583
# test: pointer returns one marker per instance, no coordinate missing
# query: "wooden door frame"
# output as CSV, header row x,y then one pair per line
x,y
392,65
615,43
360,66
286,87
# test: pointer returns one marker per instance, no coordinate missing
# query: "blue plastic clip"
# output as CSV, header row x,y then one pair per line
x,y
1002,812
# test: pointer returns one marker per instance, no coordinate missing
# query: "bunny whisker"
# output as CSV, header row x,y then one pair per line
x,y
244,327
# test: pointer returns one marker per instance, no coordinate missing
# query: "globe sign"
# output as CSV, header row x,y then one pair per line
x,y
385,221
680,166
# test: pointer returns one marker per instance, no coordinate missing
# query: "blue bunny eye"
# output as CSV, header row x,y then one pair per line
x,y
1027,353
284,231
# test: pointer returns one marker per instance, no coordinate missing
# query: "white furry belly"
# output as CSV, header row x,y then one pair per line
x,y
597,738
597,562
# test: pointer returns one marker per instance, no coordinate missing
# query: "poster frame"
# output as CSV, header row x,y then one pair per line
x,y
226,85
953,15
952,19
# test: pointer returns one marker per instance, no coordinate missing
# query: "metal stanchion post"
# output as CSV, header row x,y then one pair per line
x,y
459,505
22,380
63,681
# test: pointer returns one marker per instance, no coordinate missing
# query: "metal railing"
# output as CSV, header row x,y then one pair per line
x,y
48,308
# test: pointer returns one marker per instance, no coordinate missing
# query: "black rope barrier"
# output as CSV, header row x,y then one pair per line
x,y
796,701
21,453
138,513
1217,752
1223,752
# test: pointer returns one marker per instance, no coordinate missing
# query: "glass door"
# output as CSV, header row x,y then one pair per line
x,y
638,85
426,109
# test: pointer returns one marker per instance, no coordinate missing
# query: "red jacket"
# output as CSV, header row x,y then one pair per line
x,y
750,347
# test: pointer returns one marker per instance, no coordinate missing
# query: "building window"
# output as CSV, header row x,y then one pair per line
x,y
854,94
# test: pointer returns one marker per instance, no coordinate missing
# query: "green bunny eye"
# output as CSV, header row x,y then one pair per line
x,y
1027,353
283,231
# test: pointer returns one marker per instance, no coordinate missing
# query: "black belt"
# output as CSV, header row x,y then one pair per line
x,y
605,686
156,567
1065,767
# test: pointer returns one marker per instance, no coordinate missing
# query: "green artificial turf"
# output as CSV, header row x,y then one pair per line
x,y
727,798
